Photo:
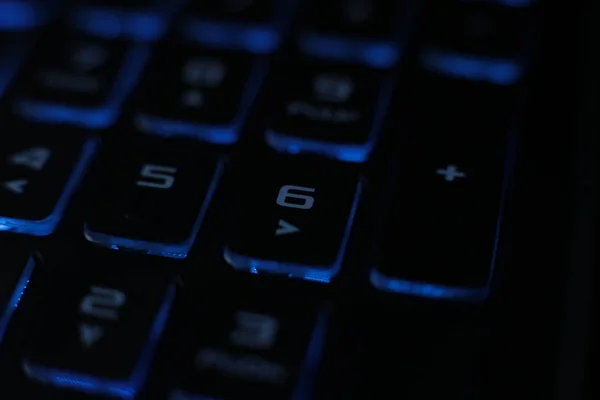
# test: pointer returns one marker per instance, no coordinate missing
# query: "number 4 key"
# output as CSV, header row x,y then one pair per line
x,y
297,223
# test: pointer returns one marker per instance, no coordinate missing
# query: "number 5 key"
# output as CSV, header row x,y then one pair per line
x,y
153,197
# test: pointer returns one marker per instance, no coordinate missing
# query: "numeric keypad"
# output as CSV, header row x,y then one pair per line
x,y
153,197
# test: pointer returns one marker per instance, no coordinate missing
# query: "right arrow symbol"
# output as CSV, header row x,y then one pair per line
x,y
285,228
90,334
17,186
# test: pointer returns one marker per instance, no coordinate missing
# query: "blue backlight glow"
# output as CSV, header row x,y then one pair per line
x,y
217,134
380,53
170,250
354,153
91,117
384,54
125,389
138,24
455,293
500,72
48,225
25,14
322,273
10,308
257,38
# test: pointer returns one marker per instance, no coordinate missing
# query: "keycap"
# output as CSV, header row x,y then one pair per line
x,y
257,26
134,19
17,268
330,109
201,93
38,175
14,48
97,332
250,347
452,178
152,197
293,218
482,40
366,31
25,14
79,80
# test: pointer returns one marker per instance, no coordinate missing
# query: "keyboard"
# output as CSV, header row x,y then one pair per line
x,y
283,199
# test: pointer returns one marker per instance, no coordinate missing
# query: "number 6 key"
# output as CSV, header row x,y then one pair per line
x,y
297,222
152,197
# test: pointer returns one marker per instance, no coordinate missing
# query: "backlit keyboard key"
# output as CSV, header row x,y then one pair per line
x,y
133,19
446,200
331,109
250,347
152,197
295,220
98,333
257,26
17,268
38,175
79,80
365,31
200,93
482,40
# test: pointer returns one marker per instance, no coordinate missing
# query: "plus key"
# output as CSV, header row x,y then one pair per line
x,y
442,229
294,221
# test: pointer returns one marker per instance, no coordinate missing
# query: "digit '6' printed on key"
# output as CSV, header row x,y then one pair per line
x,y
298,222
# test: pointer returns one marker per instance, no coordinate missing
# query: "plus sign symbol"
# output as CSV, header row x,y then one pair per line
x,y
451,173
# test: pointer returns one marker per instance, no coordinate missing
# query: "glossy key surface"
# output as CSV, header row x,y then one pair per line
x,y
298,221
154,198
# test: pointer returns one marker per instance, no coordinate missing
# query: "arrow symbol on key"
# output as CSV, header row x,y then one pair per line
x,y
17,186
285,228
90,334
